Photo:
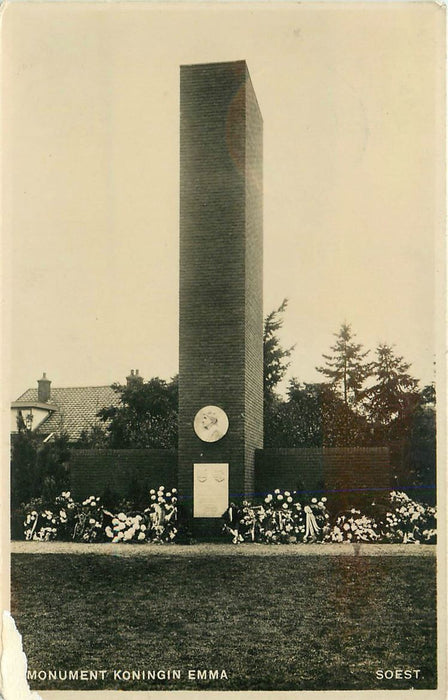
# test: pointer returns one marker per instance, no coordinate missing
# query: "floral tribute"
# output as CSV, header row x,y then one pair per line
x,y
89,521
283,517
50,523
409,521
288,517
354,527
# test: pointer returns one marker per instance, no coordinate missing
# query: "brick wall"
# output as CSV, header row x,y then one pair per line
x,y
254,288
220,329
93,471
340,469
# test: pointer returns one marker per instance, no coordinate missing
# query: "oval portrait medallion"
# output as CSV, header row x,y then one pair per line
x,y
211,423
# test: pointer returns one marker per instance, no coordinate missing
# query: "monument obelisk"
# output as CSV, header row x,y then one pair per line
x,y
221,294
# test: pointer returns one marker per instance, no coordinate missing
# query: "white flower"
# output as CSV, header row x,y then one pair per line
x,y
109,532
277,491
324,499
91,521
280,497
314,500
287,493
141,536
174,490
289,499
121,516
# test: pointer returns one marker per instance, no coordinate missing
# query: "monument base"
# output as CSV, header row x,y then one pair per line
x,y
208,529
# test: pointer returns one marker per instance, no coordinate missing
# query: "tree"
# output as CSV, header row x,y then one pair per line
x,y
275,358
146,415
275,364
421,449
315,416
346,368
93,437
37,468
393,396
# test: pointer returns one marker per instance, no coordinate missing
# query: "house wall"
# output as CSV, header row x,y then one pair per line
x,y
39,415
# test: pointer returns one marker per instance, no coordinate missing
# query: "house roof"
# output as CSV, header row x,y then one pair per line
x,y
76,408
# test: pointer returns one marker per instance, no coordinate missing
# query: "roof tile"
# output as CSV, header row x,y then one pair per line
x,y
77,408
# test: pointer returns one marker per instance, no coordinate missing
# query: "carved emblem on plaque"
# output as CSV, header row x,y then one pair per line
x,y
219,475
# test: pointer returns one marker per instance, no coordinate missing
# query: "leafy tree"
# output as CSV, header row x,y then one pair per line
x,y
37,468
315,416
346,368
24,476
93,437
393,396
146,415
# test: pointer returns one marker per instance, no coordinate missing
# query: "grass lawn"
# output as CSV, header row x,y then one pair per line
x,y
273,623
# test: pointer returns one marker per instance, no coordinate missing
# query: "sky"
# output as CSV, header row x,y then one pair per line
x,y
352,102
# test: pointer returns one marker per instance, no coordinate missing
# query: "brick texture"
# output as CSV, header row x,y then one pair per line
x,y
221,318
339,469
93,471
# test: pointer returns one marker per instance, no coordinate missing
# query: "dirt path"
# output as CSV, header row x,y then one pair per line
x,y
245,549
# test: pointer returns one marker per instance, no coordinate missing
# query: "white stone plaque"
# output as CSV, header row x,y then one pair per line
x,y
211,490
211,423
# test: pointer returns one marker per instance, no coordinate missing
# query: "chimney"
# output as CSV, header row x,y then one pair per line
x,y
134,378
43,389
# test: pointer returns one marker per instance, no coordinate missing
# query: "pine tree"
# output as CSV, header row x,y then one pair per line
x,y
275,358
346,368
394,393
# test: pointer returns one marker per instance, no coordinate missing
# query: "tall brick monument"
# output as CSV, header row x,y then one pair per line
x,y
221,303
